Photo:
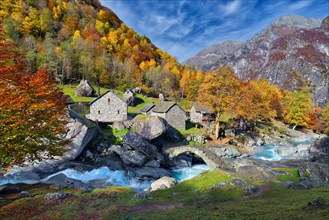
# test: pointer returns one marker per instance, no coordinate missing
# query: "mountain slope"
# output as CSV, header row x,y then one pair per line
x,y
292,52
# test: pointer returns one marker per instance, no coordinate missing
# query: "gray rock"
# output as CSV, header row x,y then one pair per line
x,y
80,137
137,90
163,183
113,162
229,133
142,195
152,163
287,151
303,147
23,194
238,183
140,143
147,173
134,158
57,196
320,148
118,149
232,152
260,142
315,174
61,181
119,125
85,89
150,127
250,169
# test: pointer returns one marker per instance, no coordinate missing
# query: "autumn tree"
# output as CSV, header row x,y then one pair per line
x,y
259,100
31,112
298,106
219,91
325,119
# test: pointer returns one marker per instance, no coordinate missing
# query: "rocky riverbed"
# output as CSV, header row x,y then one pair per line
x,y
141,159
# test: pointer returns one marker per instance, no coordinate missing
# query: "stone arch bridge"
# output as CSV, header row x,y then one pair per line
x,y
210,158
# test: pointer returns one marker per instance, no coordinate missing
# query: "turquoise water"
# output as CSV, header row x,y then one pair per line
x,y
267,152
116,177
189,172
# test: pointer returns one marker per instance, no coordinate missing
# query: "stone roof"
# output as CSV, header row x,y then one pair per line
x,y
147,107
95,100
163,107
202,109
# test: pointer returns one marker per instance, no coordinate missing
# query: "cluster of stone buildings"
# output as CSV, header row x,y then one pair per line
x,y
109,108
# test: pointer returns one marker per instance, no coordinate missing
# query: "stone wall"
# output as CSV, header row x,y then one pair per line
x,y
195,117
108,108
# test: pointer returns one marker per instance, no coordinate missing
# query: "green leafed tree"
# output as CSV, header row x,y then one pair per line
x,y
298,107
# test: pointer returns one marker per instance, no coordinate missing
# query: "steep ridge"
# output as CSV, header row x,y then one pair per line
x,y
292,52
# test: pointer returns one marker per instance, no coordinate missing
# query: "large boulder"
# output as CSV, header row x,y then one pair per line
x,y
149,127
320,148
80,136
229,152
61,181
314,174
139,143
147,173
85,89
252,170
287,151
134,158
164,182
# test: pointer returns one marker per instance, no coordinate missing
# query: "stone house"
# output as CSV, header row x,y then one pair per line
x,y
200,114
129,97
108,108
172,113
146,110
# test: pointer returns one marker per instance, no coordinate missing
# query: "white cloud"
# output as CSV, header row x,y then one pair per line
x,y
300,4
231,7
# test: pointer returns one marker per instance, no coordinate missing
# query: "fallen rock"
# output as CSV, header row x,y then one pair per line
x,y
147,173
238,183
23,194
139,143
142,195
59,195
163,183
119,125
150,127
85,89
287,151
314,174
320,148
134,158
61,181
80,136
152,163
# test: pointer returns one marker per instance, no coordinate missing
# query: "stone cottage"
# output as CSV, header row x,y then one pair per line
x,y
85,89
146,110
200,114
108,108
129,97
172,113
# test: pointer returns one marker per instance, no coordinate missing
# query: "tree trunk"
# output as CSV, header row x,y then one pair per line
x,y
217,126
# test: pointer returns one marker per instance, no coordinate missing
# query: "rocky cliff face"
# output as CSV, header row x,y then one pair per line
x,y
292,52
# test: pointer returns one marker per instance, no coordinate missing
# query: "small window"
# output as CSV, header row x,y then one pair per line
x,y
118,112
99,112
109,100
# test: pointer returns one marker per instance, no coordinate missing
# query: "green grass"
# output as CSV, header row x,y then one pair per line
x,y
292,175
191,199
192,130
69,89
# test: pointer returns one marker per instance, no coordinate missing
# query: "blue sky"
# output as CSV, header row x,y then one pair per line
x,y
184,27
